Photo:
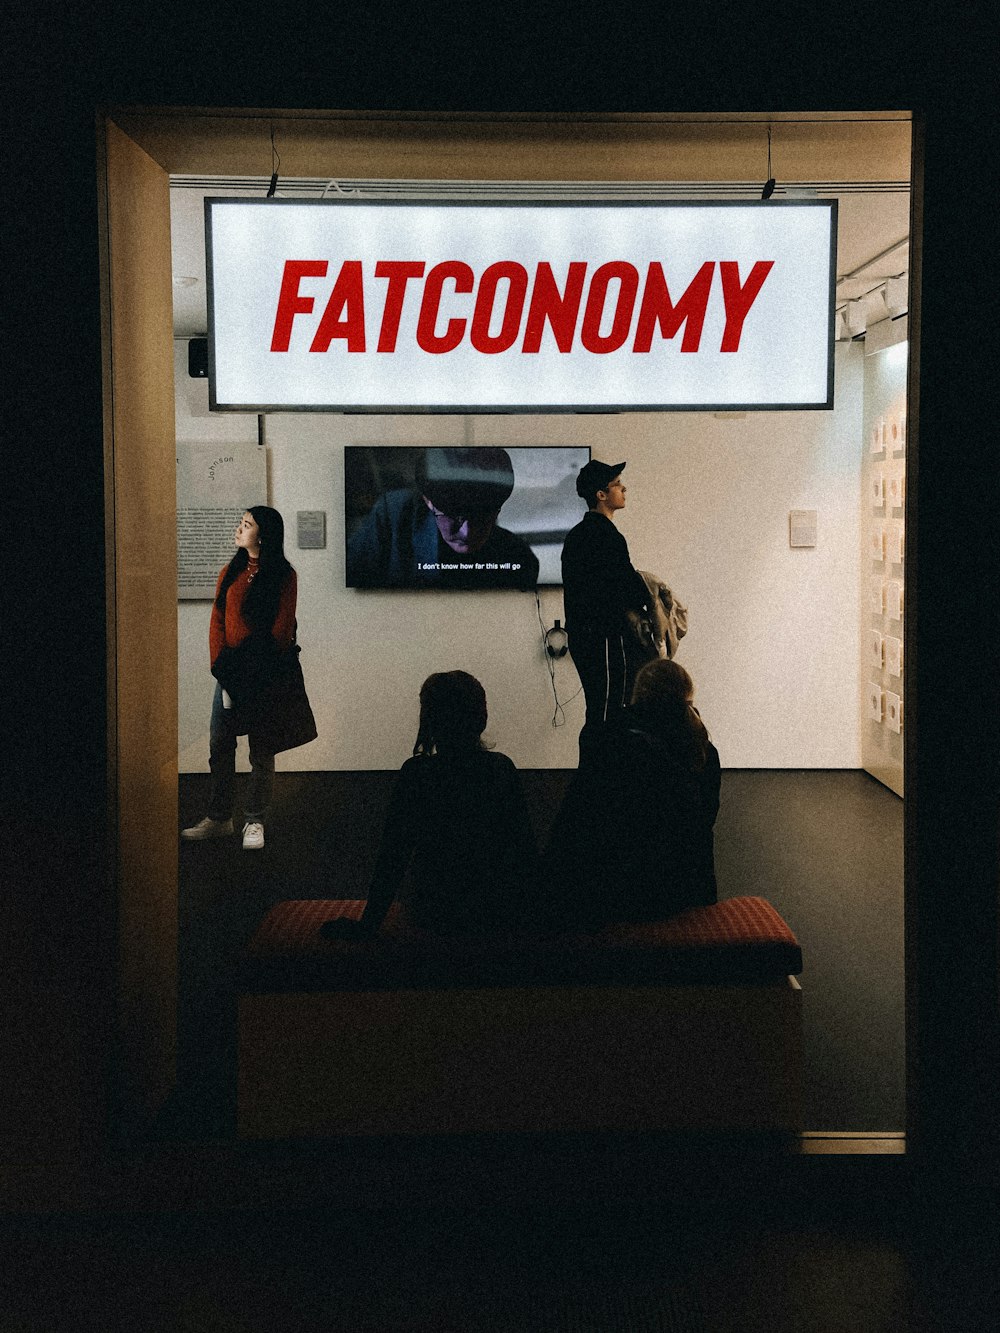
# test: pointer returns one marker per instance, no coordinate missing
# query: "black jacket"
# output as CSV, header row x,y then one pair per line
x,y
459,823
268,692
633,840
600,584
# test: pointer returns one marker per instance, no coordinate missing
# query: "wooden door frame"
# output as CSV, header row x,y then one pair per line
x,y
139,148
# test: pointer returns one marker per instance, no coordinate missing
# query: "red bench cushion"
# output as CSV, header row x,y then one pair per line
x,y
737,940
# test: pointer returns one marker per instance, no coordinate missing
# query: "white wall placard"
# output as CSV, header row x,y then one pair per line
x,y
215,485
875,649
894,599
408,306
893,711
896,432
877,437
893,655
310,529
877,488
876,542
802,524
894,543
876,593
895,487
874,701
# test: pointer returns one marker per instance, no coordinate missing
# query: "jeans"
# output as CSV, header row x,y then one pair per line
x,y
222,762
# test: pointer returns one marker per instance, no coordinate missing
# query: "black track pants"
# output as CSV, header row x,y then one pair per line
x,y
606,673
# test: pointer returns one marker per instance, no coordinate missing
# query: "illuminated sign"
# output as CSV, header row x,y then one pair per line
x,y
347,305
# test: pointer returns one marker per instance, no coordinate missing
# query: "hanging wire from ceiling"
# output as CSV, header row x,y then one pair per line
x,y
275,163
769,184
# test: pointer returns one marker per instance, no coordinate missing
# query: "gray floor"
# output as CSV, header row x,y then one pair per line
x,y
736,1265
824,846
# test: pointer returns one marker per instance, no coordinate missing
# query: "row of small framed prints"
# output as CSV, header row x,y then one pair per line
x,y
887,486
888,433
885,650
886,597
885,707
885,542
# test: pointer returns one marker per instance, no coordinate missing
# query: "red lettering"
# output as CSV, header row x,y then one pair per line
x,y
399,272
290,303
561,309
502,295
657,309
344,316
590,331
516,276
463,278
739,299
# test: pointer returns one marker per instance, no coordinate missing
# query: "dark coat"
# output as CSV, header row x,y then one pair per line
x,y
633,840
459,824
600,584
268,692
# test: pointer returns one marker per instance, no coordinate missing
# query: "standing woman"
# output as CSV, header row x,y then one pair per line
x,y
251,631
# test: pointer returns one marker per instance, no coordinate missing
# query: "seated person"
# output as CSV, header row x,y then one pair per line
x,y
633,840
457,820
444,531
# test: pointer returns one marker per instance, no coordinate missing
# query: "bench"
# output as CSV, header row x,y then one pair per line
x,y
690,1023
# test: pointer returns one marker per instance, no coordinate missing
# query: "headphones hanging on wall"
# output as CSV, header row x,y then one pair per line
x,y
556,641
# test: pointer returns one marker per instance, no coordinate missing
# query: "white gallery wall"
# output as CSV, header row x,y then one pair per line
x,y
774,637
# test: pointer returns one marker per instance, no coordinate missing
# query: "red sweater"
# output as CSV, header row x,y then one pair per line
x,y
226,631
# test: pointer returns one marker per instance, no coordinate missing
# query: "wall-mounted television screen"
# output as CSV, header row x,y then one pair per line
x,y
459,517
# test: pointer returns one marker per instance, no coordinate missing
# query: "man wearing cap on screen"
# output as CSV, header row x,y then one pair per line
x,y
600,587
443,532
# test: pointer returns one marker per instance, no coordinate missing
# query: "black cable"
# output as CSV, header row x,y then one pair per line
x,y
558,713
275,163
769,184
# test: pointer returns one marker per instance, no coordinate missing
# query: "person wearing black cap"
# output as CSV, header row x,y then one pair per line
x,y
600,586
443,531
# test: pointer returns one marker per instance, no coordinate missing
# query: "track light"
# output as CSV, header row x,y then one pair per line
x,y
854,317
896,295
878,308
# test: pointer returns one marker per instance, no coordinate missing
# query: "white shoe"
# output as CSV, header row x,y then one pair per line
x,y
207,828
253,836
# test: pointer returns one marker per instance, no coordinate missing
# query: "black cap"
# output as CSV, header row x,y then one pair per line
x,y
595,476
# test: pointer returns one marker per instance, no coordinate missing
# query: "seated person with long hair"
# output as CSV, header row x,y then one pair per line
x,y
633,840
457,821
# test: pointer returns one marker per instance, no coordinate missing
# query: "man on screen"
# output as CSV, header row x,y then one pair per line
x,y
443,531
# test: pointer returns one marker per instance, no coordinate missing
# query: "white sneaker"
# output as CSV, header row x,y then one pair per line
x,y
207,828
253,836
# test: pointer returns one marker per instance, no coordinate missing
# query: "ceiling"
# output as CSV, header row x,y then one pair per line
x,y
872,241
